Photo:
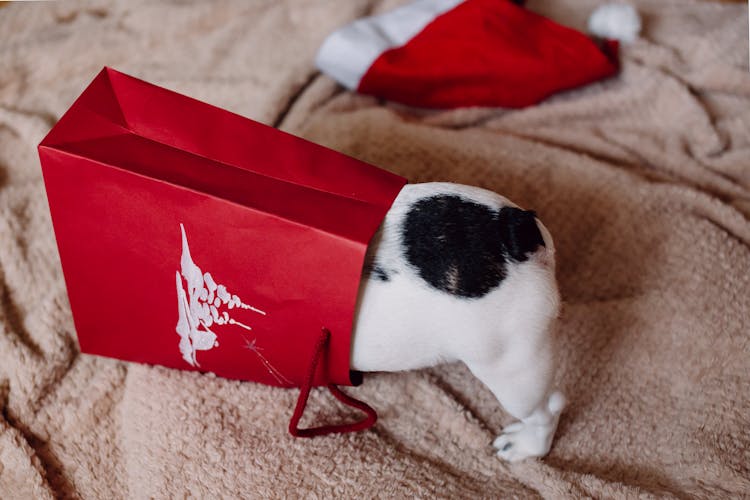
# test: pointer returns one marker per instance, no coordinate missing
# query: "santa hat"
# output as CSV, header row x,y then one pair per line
x,y
454,53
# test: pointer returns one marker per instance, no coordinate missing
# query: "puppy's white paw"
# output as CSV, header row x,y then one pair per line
x,y
533,437
519,441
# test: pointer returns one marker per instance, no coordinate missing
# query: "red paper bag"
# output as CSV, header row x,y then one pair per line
x,y
194,238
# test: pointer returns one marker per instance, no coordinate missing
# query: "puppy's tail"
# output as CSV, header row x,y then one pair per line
x,y
520,233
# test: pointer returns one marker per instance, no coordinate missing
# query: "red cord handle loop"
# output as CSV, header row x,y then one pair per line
x,y
370,415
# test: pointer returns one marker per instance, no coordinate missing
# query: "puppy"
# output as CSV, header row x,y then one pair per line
x,y
459,273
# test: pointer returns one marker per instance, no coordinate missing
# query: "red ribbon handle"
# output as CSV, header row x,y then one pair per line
x,y
370,415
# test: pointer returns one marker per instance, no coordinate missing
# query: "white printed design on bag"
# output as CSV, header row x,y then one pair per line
x,y
200,308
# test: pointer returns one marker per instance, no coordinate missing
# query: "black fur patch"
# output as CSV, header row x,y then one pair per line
x,y
520,234
380,274
370,270
462,247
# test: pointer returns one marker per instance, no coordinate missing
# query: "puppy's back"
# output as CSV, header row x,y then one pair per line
x,y
458,239
454,273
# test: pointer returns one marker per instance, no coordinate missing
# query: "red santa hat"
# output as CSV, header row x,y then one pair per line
x,y
455,53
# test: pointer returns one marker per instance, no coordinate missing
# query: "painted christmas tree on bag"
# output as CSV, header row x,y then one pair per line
x,y
202,304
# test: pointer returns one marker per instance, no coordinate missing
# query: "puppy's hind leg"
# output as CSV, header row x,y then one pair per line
x,y
521,381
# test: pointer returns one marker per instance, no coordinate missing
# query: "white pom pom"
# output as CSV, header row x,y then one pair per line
x,y
615,21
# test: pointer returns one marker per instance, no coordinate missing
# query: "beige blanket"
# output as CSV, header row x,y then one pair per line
x,y
644,181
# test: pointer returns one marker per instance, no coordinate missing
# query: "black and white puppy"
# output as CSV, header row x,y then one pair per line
x,y
459,273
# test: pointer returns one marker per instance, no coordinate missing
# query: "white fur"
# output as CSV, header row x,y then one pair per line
x,y
616,21
503,337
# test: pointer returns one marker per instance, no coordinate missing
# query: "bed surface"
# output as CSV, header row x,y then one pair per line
x,y
643,180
